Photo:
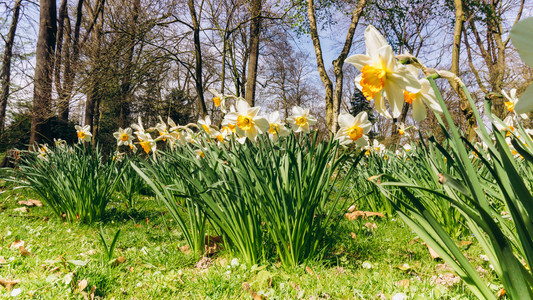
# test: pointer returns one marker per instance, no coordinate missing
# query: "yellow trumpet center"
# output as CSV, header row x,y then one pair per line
x,y
409,97
146,146
124,137
301,121
205,127
244,122
216,100
509,105
372,80
81,135
220,138
201,154
355,132
401,131
274,129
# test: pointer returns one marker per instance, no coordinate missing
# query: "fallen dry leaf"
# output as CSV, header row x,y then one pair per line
x,y
309,270
351,208
362,214
8,284
254,295
86,297
16,244
404,283
354,236
432,252
443,267
23,209
31,203
371,226
24,252
465,244
447,279
204,263
294,285
82,285
2,260
117,261
213,244
185,249
138,225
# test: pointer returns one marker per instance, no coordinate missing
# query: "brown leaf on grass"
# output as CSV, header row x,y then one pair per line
x,y
213,244
309,270
24,252
254,295
204,263
82,285
138,225
362,214
447,279
16,244
23,209
2,261
405,267
432,252
371,226
354,236
351,208
86,297
185,249
465,244
31,203
404,283
117,261
294,285
8,284
443,267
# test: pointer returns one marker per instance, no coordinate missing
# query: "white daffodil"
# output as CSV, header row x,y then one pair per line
x,y
407,147
84,133
199,153
219,100
248,123
43,151
377,146
205,123
147,142
381,75
353,129
60,142
301,120
508,125
123,136
138,127
511,102
425,97
402,129
277,128
522,37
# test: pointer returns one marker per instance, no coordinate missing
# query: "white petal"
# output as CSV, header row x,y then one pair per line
x,y
373,40
522,37
346,120
359,60
419,109
361,142
262,124
386,56
380,106
361,118
395,97
404,79
242,107
525,103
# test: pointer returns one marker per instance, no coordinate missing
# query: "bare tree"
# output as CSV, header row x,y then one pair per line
x,y
5,73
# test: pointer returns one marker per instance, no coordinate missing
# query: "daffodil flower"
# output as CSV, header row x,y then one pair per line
x,y
425,97
247,122
138,127
123,136
511,102
353,129
147,143
402,129
43,152
377,146
301,120
277,128
205,123
219,100
84,133
522,37
381,75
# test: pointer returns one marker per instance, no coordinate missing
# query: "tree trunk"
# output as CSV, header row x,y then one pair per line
x,y
333,98
198,59
126,81
464,104
5,73
255,32
42,90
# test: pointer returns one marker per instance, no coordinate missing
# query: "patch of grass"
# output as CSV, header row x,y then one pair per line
x,y
63,254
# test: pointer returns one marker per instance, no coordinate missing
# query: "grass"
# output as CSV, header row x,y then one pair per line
x,y
64,254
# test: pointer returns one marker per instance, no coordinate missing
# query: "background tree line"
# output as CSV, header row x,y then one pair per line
x,y
106,62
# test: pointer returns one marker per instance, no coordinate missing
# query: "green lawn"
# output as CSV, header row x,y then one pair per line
x,y
63,255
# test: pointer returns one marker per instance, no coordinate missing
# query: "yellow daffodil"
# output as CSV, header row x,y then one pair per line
x,y
123,136
353,129
301,120
522,37
381,75
247,122
84,133
277,128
